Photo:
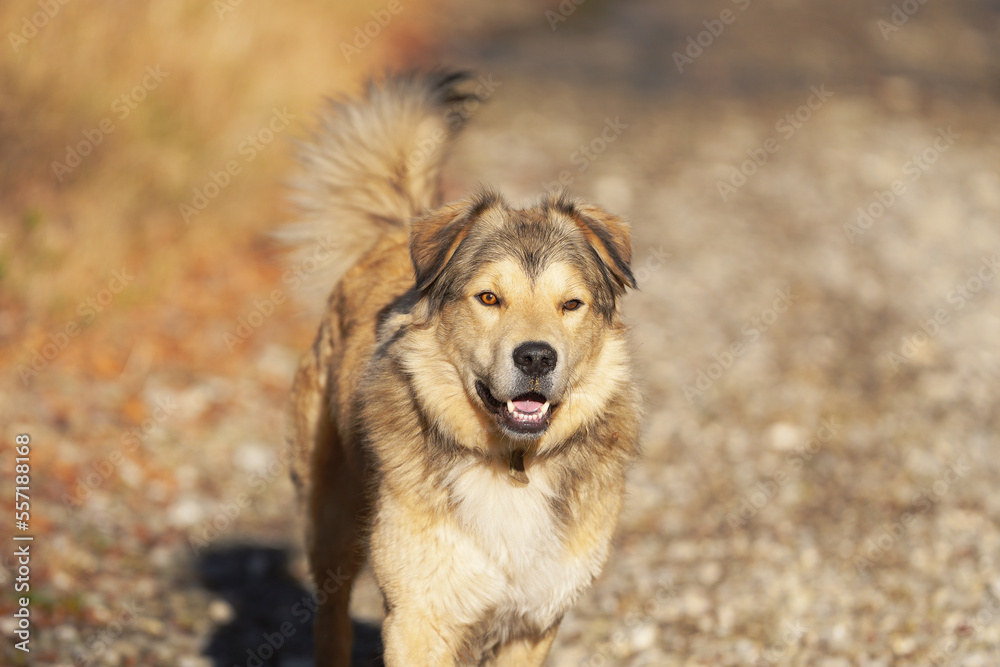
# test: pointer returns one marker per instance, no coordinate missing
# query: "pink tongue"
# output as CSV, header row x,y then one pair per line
x,y
528,406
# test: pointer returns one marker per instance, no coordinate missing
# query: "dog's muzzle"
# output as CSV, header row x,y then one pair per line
x,y
523,415
528,410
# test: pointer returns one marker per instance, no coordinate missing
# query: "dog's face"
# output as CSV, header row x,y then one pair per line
x,y
523,299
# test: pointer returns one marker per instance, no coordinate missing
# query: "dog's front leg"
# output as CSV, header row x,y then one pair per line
x,y
438,584
415,639
529,652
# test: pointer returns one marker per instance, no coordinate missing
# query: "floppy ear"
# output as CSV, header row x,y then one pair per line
x,y
435,237
610,238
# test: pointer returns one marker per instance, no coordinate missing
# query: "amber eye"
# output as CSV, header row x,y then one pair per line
x,y
488,299
572,304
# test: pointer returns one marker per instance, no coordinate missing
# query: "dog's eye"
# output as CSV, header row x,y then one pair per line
x,y
572,304
488,299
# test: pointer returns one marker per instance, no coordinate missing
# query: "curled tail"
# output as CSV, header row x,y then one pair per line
x,y
373,163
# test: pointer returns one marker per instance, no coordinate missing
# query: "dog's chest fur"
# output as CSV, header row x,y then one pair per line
x,y
512,533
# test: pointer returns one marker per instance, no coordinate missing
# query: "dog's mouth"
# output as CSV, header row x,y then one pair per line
x,y
524,414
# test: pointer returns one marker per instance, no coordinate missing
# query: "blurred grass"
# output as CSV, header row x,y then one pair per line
x,y
225,67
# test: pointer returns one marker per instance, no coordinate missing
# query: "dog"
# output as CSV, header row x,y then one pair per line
x,y
466,415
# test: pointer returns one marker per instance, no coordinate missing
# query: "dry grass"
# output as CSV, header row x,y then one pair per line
x,y
223,72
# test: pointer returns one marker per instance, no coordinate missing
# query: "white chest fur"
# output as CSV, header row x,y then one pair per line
x,y
512,533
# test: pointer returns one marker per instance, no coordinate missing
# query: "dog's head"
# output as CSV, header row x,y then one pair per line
x,y
524,302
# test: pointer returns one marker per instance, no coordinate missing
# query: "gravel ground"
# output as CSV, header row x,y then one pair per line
x,y
816,216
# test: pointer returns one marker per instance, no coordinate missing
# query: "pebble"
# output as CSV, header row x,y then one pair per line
x,y
200,661
785,436
903,646
186,512
643,637
220,611
152,626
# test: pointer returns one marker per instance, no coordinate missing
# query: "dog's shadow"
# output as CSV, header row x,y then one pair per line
x,y
273,622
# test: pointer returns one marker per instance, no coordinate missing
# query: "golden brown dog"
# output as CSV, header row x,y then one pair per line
x,y
466,415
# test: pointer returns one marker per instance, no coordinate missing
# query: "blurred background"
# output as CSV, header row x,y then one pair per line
x,y
814,190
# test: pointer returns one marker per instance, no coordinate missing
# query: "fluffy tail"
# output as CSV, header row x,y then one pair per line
x,y
373,164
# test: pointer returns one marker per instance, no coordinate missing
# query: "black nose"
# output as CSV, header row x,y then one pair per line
x,y
535,358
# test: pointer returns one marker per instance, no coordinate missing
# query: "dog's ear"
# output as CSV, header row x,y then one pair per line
x,y
607,234
435,237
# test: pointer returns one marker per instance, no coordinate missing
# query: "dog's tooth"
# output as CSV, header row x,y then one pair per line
x,y
545,408
510,407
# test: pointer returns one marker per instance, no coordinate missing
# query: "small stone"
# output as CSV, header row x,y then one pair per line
x,y
66,633
696,604
643,637
111,657
903,645
220,611
152,626
278,362
784,436
834,662
62,580
194,661
726,616
186,513
254,457
838,634
709,573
